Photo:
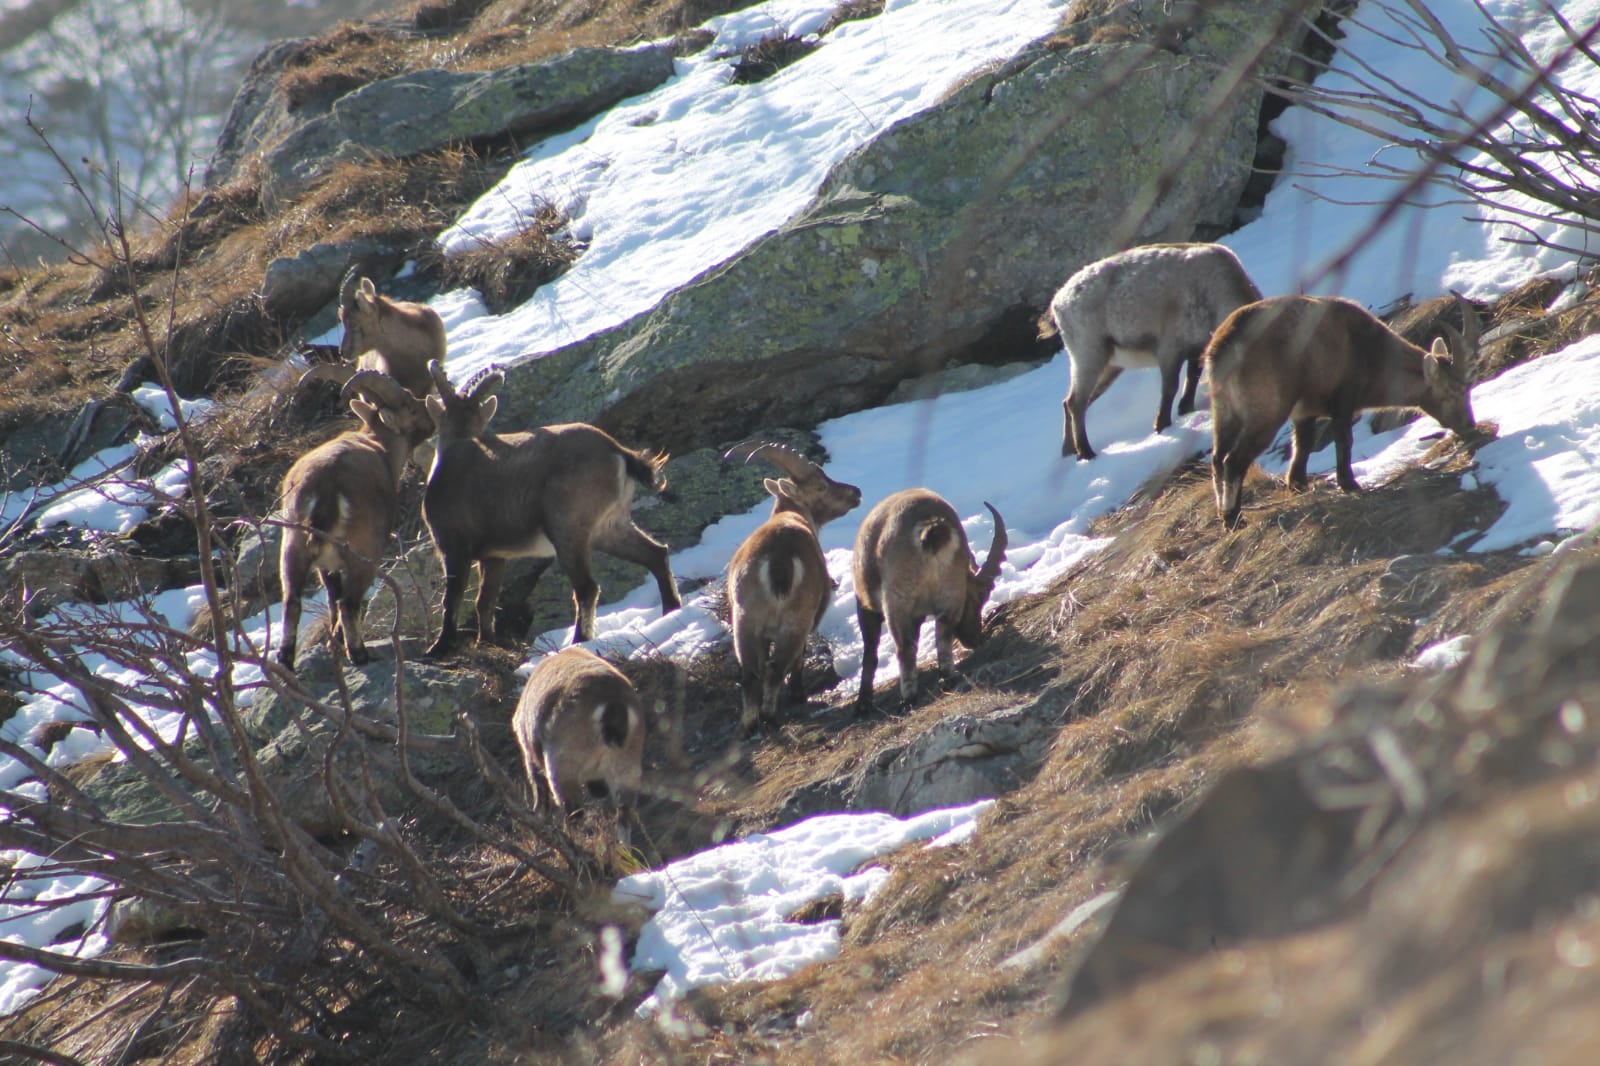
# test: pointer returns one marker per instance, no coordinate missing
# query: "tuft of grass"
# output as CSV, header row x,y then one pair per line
x,y
851,11
508,271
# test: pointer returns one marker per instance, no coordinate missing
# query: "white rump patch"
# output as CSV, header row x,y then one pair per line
x,y
797,574
341,523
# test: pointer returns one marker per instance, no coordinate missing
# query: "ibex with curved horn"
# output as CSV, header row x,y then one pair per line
x,y
558,492
778,583
396,337
341,501
1300,358
912,562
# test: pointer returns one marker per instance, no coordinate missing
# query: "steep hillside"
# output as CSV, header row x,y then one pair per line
x,y
1316,788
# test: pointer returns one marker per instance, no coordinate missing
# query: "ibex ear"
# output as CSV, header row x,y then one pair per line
x,y
393,420
486,410
435,408
363,410
782,487
367,291
1438,361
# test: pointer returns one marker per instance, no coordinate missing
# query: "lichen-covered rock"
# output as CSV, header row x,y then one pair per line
x,y
260,112
942,239
429,109
290,741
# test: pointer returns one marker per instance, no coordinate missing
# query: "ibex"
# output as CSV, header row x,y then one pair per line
x,y
341,502
778,582
559,491
1303,357
912,562
396,337
581,727
1150,306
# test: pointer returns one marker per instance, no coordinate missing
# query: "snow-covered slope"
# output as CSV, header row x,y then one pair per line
x,y
670,183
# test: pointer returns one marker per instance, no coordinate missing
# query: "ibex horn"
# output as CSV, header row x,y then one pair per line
x,y
482,384
1464,345
784,458
989,573
347,287
447,391
386,389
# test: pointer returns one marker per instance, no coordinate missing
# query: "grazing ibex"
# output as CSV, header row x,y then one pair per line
x,y
778,583
1150,306
558,491
1304,357
912,562
581,726
396,337
341,501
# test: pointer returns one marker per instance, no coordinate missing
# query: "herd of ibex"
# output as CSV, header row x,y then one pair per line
x,y
562,492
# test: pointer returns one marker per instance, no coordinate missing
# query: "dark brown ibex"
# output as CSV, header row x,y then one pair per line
x,y
778,583
341,502
559,491
912,562
395,337
1155,305
1301,358
581,727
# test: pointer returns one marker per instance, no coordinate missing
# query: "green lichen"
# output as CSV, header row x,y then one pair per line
x,y
992,196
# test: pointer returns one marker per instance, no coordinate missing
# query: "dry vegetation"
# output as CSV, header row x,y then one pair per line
x,y
1182,651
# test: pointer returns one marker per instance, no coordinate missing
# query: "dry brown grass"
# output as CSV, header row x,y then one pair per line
x,y
509,270
1178,653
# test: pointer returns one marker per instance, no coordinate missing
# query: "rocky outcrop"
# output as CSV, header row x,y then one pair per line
x,y
298,286
47,578
429,109
260,112
956,761
1365,835
940,240
291,743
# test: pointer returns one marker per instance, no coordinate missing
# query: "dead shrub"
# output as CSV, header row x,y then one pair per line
x,y
352,56
760,61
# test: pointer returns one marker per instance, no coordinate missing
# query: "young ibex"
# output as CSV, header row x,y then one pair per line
x,y
559,491
1304,357
912,562
396,337
341,502
581,726
778,582
1150,306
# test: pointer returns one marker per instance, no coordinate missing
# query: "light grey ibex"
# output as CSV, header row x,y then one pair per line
x,y
912,562
1298,358
778,584
341,502
396,337
559,492
581,727
1155,305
